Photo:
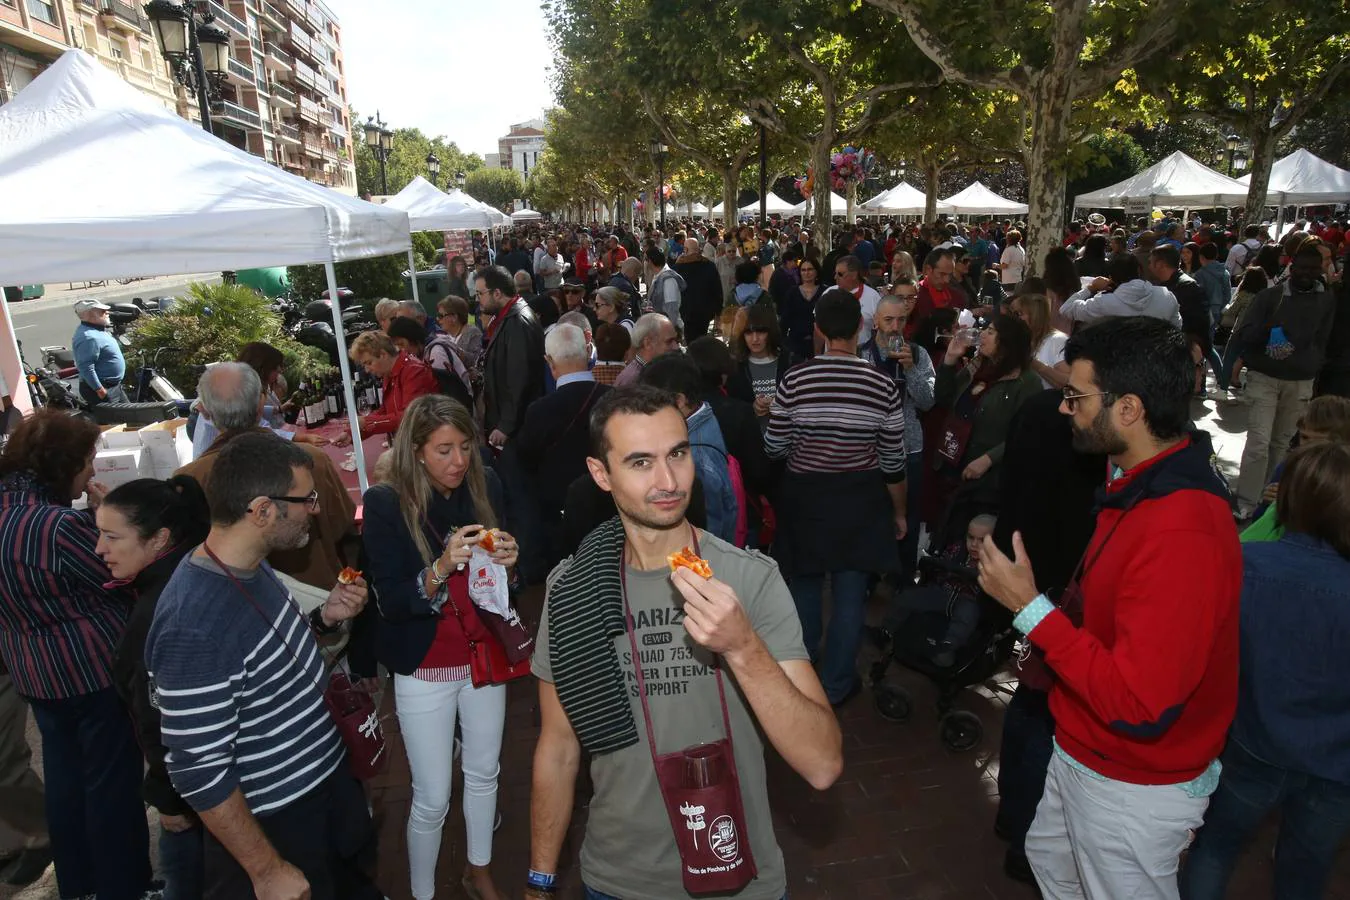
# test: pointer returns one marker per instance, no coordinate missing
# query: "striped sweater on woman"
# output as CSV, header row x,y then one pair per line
x,y
838,414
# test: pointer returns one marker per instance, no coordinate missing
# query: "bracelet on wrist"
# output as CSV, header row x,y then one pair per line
x,y
542,881
437,578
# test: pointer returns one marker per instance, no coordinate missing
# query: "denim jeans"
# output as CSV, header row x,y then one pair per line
x,y
909,547
848,601
1215,361
93,768
180,863
1231,352
1028,742
1314,820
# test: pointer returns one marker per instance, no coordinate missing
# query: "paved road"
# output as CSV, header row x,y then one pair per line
x,y
49,321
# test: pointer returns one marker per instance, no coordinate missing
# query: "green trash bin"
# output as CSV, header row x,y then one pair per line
x,y
433,286
271,282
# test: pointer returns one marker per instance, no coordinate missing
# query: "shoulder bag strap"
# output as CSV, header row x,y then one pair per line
x,y
637,661
257,608
586,405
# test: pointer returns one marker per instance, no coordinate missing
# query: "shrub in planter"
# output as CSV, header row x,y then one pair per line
x,y
211,324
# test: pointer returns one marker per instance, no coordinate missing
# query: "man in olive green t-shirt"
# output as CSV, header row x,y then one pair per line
x,y
681,624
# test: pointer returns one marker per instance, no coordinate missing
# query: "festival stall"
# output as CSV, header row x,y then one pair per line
x,y
978,200
838,206
1177,181
775,205
902,200
1302,179
431,209
526,215
100,181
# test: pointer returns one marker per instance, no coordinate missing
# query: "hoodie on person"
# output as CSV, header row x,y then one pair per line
x,y
1284,333
1133,298
1213,277
1147,685
666,294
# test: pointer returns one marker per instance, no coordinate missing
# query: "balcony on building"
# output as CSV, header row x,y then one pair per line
x,y
124,17
272,16
296,8
282,96
225,18
276,58
310,111
288,133
241,73
234,114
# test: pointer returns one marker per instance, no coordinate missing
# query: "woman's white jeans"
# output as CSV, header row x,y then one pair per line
x,y
426,718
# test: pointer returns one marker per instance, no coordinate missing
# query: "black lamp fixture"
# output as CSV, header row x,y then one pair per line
x,y
459,180
1237,160
658,151
197,51
380,140
434,167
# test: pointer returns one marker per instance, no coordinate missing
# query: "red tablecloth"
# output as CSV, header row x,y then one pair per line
x,y
374,446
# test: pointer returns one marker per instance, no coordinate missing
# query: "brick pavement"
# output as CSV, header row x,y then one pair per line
x,y
907,820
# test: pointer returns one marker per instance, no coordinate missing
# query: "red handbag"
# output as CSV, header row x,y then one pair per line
x,y
487,658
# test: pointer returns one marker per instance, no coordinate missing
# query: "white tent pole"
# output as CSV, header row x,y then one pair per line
x,y
412,274
352,418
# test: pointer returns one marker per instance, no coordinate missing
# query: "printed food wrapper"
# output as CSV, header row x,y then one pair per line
x,y
487,584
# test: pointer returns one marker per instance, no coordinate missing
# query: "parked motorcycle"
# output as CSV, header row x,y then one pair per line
x,y
314,328
47,389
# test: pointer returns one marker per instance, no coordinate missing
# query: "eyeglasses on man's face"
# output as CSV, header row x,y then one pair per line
x,y
310,500
1072,396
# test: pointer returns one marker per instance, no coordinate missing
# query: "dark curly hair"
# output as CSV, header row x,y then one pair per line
x,y
54,447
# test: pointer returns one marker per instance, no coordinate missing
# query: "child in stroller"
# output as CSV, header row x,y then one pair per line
x,y
945,629
952,588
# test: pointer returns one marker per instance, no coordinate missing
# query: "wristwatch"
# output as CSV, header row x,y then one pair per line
x,y
316,622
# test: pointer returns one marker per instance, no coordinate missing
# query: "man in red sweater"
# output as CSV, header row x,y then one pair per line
x,y
1144,648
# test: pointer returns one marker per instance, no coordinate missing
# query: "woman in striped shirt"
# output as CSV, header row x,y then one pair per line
x,y
840,425
58,630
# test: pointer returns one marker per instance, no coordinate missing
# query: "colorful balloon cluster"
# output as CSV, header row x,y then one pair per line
x,y
849,166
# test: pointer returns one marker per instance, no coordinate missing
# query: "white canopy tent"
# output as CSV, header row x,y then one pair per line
x,y
774,204
179,200
902,200
496,218
978,200
526,215
430,209
838,206
1302,179
1178,180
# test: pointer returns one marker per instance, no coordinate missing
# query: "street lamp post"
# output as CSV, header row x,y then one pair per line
x,y
763,175
434,168
380,140
198,53
659,151
1231,143
459,180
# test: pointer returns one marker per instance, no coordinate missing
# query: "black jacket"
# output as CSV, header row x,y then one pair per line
x,y
1048,491
702,293
513,370
797,317
407,624
634,298
554,442
745,441
133,684
517,261
1194,305
1306,318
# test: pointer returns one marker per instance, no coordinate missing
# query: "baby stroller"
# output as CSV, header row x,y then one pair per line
x,y
917,633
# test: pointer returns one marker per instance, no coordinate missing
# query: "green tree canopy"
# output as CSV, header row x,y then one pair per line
x,y
495,187
408,159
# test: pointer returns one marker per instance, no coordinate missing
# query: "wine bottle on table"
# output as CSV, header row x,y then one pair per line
x,y
330,399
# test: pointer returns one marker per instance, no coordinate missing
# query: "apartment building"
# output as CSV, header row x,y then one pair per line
x,y
286,95
32,35
120,36
521,147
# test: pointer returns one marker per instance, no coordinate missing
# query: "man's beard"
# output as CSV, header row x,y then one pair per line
x,y
1099,437
648,517
288,536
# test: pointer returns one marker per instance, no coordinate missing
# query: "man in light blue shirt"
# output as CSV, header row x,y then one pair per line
x,y
98,358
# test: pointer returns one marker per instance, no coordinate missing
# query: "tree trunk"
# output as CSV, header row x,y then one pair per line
x,y
820,194
851,197
1046,178
731,179
1263,158
930,188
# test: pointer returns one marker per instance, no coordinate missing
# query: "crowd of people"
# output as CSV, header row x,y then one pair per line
x,y
590,402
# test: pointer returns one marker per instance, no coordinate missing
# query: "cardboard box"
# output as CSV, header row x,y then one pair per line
x,y
120,437
117,467
168,445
